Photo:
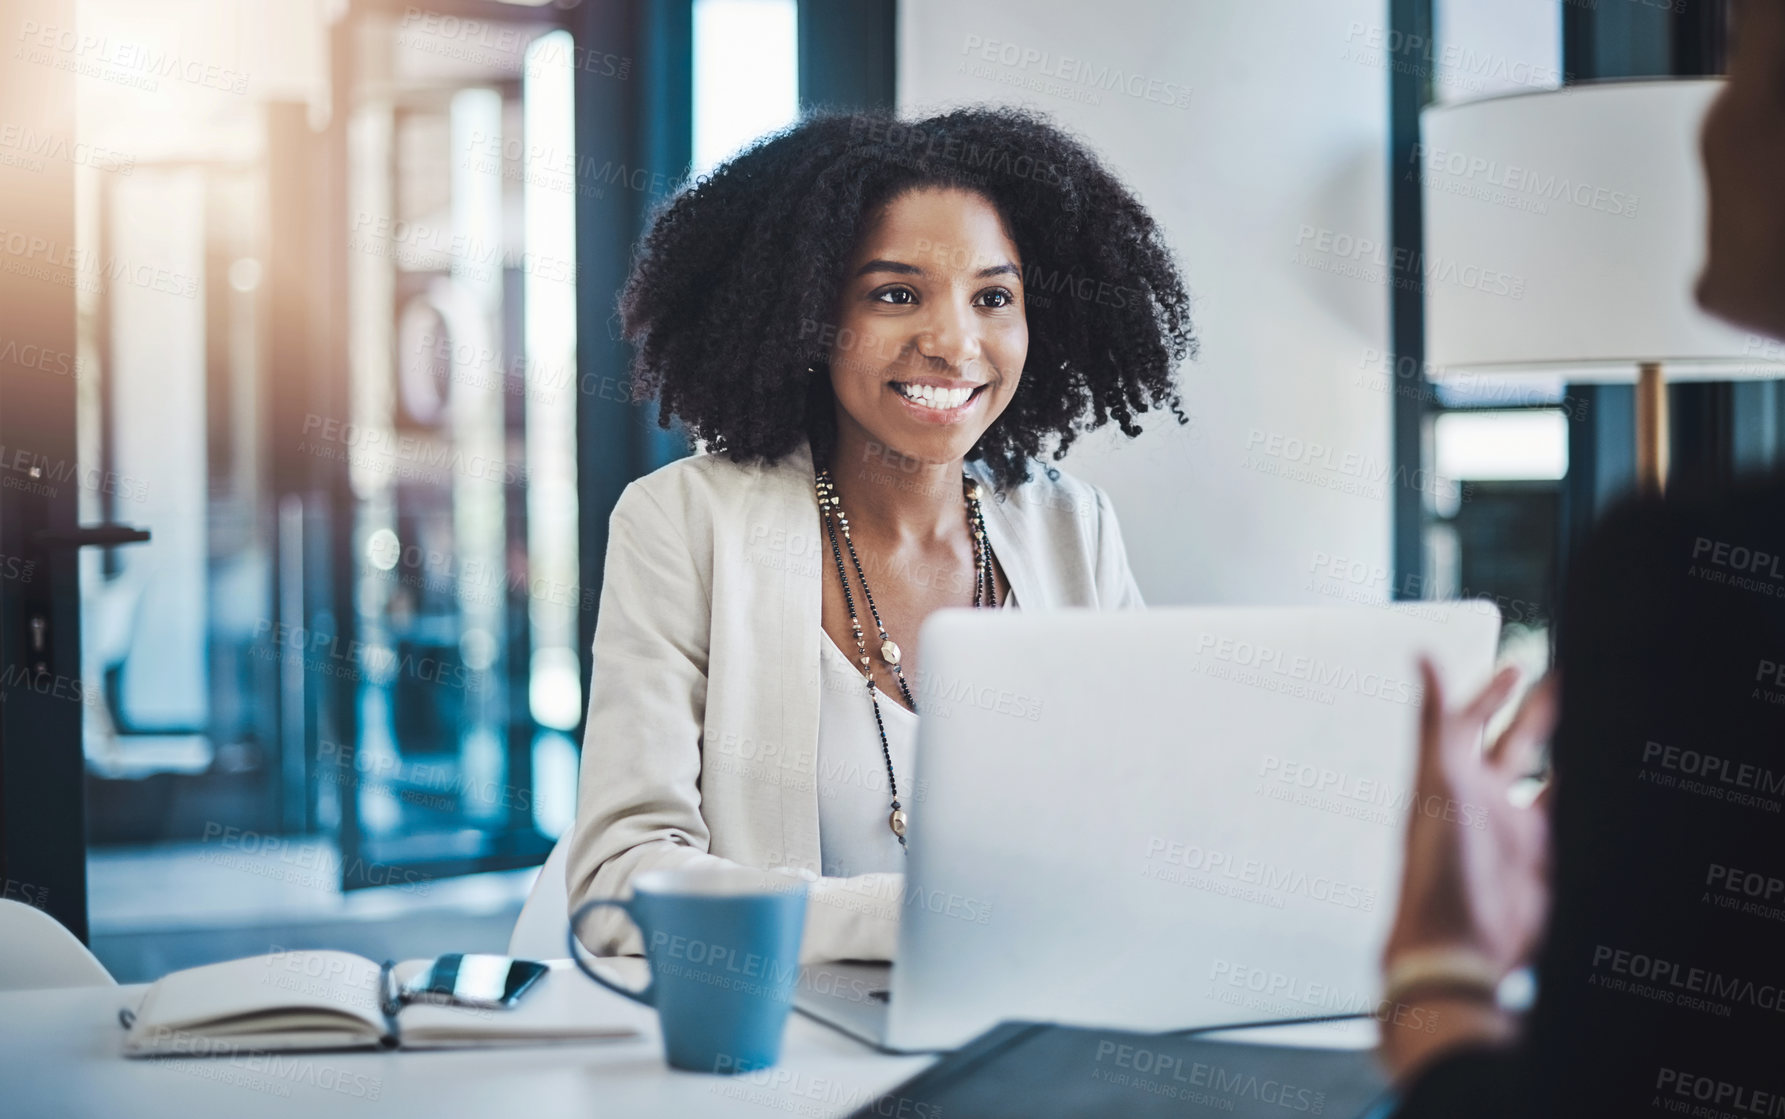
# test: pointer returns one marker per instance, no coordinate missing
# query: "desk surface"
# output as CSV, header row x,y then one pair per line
x,y
60,1054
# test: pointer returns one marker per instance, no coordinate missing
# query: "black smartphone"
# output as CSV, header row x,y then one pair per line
x,y
460,979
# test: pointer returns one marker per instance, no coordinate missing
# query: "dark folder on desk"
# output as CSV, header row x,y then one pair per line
x,y
1033,1071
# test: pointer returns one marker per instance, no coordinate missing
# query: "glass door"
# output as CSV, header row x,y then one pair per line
x,y
459,444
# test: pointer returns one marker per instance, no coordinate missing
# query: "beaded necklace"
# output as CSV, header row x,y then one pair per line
x,y
984,592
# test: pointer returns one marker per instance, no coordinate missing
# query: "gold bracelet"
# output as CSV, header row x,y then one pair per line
x,y
1458,971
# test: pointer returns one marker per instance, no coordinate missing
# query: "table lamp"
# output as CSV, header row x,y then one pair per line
x,y
1564,231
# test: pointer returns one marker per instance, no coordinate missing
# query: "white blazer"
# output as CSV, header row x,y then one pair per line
x,y
702,735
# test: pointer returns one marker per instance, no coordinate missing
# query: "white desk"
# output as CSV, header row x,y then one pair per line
x,y
60,1055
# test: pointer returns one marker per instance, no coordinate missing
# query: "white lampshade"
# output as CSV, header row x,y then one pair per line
x,y
1564,231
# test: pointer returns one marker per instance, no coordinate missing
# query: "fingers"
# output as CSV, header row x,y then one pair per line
x,y
1431,711
1545,795
1491,698
1516,751
1530,726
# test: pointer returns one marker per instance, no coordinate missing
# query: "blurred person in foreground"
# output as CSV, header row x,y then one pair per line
x,y
1647,883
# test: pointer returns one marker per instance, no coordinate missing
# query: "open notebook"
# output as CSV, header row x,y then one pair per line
x,y
331,1000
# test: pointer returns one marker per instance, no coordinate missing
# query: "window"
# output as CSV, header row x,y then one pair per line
x,y
1488,456
746,74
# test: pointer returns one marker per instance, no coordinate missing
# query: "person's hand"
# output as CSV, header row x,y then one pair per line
x,y
1476,880
1477,870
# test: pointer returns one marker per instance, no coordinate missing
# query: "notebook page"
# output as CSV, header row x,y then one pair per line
x,y
320,991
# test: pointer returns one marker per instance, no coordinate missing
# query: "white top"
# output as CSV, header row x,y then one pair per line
x,y
854,804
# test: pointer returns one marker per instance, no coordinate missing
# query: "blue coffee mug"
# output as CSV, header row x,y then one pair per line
x,y
723,945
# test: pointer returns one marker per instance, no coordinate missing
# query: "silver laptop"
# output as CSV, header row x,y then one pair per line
x,y
1155,819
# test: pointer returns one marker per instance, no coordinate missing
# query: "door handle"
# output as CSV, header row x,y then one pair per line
x,y
90,536
82,536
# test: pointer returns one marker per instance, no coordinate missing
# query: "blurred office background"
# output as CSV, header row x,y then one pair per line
x,y
339,334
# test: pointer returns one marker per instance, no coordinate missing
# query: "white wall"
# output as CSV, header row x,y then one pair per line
x,y
1283,137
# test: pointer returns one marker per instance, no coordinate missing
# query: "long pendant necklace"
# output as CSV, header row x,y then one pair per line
x,y
984,594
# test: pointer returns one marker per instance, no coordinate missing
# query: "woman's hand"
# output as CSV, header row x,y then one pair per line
x,y
1476,878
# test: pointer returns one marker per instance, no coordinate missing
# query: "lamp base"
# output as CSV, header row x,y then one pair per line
x,y
1651,428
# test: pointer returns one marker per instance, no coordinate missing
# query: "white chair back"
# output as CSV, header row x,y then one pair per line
x,y
36,952
542,931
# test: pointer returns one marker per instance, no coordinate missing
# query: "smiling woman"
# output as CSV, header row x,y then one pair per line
x,y
876,329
